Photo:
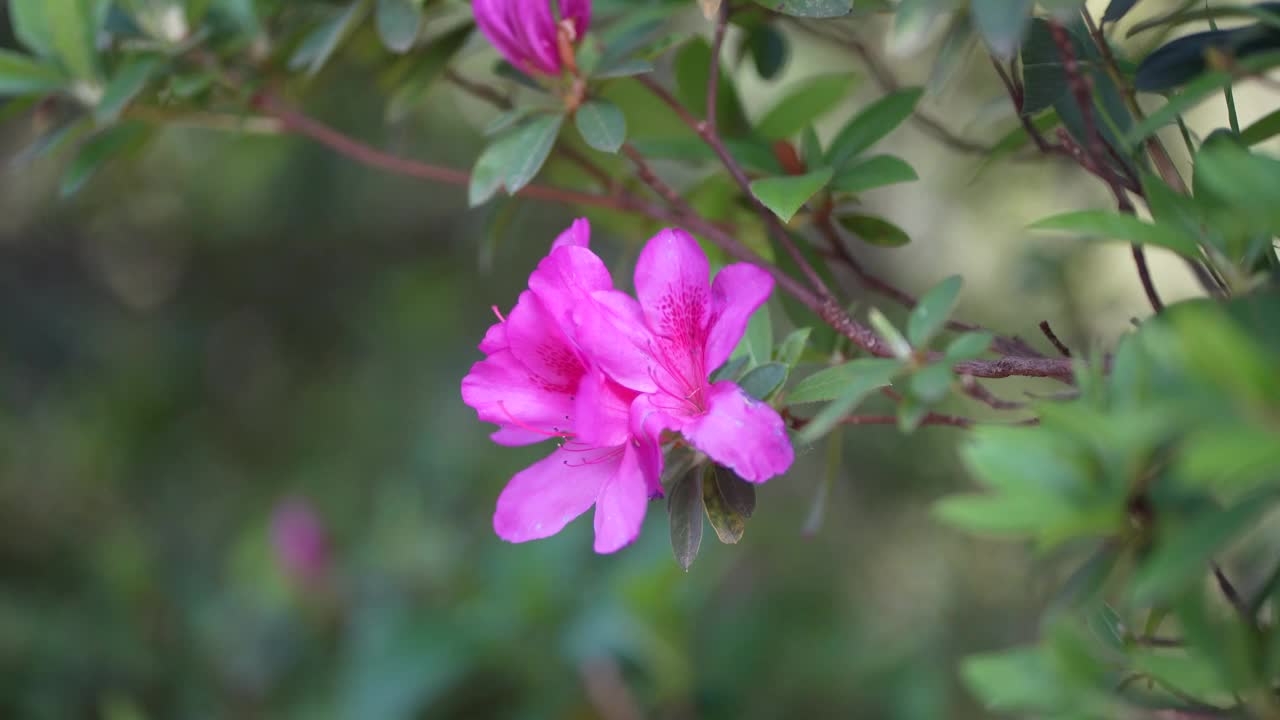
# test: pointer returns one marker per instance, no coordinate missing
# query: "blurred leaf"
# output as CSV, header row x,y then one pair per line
x,y
98,150
533,142
758,338
30,21
319,44
810,148
1184,551
684,513
873,172
784,196
872,124
737,493
769,50
1012,680
1264,128
692,70
763,380
807,102
832,382
728,524
730,370
398,23
890,334
1195,92
1111,225
862,378
874,230
128,80
952,55
969,346
1184,58
1001,23
625,68
74,34
809,8
818,506
1233,173
933,310
21,74
792,347
1117,9
601,125
426,65
931,383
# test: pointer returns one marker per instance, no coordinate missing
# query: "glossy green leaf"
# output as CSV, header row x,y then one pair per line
x,y
832,382
737,493
873,230
534,142
398,23
128,80
1107,224
786,195
792,347
762,380
602,125
684,515
1001,23
731,369
1196,92
809,101
933,310
809,8
727,522
23,74
873,172
872,124
862,377
758,339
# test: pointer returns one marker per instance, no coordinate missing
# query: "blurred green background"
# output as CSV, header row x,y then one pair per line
x,y
232,325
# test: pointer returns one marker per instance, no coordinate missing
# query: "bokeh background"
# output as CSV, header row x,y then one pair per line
x,y
237,478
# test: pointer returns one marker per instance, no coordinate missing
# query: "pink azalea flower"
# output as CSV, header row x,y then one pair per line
x,y
299,540
536,383
665,345
526,31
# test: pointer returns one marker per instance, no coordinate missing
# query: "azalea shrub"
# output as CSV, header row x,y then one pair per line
x,y
748,330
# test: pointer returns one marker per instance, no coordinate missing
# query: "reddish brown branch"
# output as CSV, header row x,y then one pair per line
x,y
1053,338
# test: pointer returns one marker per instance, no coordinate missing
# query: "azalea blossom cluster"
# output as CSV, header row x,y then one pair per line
x,y
607,374
529,36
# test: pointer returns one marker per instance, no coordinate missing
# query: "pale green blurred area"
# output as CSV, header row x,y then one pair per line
x,y
234,321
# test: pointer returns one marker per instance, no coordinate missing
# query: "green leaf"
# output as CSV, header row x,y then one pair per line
x,y
737,493
728,524
874,230
684,514
534,140
1110,225
862,378
624,68
890,334
1018,679
809,8
872,124
128,80
490,169
1117,9
1001,23
810,148
786,195
426,66
692,70
1264,128
398,23
832,382
930,315
74,33
952,55
731,368
1245,180
30,21
22,74
790,349
602,125
932,383
763,380
758,339
98,150
769,50
799,108
1185,551
968,346
873,172
316,48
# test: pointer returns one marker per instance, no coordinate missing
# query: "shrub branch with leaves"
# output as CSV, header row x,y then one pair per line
x,y
1144,469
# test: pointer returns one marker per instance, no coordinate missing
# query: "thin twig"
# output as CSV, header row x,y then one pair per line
x,y
1231,594
1053,338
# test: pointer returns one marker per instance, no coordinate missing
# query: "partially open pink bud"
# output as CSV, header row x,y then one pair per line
x,y
529,35
299,540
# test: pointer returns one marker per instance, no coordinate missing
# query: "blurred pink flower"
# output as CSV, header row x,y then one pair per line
x,y
527,33
300,542
665,345
536,383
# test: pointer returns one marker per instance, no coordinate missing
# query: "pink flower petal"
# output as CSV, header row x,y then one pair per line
x,y
621,506
536,28
579,11
647,422
495,339
611,331
513,436
672,286
565,280
494,20
579,233
601,411
501,391
741,433
539,343
541,499
738,291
